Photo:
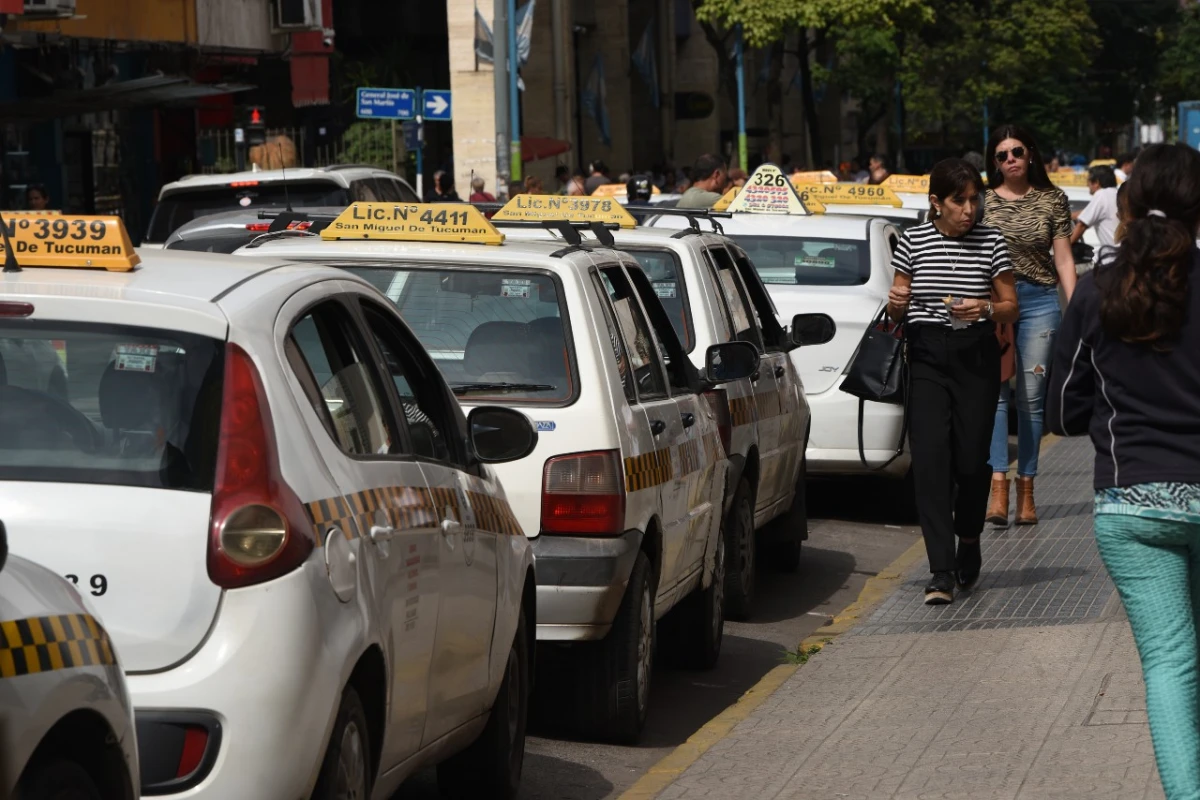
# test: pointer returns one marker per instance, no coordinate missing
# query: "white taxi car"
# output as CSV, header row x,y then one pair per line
x,y
712,294
839,265
289,529
622,497
66,723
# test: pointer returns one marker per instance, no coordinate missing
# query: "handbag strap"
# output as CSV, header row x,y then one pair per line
x,y
862,453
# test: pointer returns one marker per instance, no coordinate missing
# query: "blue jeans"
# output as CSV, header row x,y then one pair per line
x,y
1034,334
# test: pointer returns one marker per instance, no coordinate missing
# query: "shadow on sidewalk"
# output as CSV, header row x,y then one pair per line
x,y
783,596
544,777
1022,577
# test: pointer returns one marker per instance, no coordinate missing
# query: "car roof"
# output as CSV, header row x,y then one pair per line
x,y
239,218
345,172
833,226
623,238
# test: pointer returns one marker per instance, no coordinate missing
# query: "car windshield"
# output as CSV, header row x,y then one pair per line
x,y
83,403
495,334
181,207
663,270
808,261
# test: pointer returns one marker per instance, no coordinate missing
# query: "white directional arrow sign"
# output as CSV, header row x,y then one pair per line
x,y
437,105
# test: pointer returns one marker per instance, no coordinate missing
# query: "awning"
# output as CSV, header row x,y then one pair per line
x,y
156,90
535,148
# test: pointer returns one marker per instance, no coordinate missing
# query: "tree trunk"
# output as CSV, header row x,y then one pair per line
x,y
811,118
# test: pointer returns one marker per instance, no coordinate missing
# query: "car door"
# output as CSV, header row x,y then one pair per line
x,y
467,552
771,451
384,506
653,462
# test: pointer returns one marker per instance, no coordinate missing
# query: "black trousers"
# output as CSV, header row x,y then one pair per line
x,y
952,408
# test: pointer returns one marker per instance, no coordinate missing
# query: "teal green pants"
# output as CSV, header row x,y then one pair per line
x,y
1155,564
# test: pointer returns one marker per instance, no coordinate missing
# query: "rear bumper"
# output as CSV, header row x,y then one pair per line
x,y
833,443
580,583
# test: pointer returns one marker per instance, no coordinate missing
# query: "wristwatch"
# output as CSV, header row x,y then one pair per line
x,y
987,310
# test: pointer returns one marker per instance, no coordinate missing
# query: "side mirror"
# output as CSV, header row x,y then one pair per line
x,y
730,361
500,434
809,329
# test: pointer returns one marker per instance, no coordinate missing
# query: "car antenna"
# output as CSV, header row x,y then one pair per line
x,y
287,198
10,255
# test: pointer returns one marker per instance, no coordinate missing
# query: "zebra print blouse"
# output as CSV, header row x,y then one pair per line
x,y
1030,225
1164,500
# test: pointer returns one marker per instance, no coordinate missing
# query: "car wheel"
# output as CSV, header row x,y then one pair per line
x,y
56,779
696,629
615,690
740,563
491,766
346,770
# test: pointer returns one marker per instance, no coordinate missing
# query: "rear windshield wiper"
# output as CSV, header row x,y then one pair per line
x,y
463,388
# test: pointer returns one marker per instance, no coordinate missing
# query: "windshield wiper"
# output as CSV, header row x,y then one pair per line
x,y
463,388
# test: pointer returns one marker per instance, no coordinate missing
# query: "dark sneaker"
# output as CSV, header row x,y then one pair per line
x,y
970,561
940,589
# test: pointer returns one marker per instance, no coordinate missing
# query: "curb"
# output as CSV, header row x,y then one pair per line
x,y
877,588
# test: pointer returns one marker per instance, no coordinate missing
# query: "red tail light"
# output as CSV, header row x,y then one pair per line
x,y
260,530
718,400
263,227
584,493
195,742
241,184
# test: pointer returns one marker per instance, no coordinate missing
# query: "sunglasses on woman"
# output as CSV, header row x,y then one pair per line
x,y
1002,155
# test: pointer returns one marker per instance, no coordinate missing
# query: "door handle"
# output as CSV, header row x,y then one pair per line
x,y
451,526
382,533
780,372
689,419
657,426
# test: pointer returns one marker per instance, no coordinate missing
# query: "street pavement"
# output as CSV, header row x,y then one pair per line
x,y
1028,688
850,541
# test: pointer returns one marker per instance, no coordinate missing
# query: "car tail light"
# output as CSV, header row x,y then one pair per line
x,y
260,529
718,400
195,742
263,227
242,184
177,749
584,493
9,309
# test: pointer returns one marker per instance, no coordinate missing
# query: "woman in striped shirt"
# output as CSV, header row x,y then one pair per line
x,y
953,281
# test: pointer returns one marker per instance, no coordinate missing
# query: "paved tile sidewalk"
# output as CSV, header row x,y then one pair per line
x,y
1030,689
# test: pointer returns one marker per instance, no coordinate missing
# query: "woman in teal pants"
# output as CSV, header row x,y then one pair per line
x,y
1126,370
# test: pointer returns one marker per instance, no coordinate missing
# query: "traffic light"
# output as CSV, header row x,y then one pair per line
x,y
256,128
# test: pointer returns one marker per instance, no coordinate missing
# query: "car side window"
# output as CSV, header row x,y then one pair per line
x,y
407,195
768,322
363,191
644,359
614,339
430,421
385,188
327,354
745,328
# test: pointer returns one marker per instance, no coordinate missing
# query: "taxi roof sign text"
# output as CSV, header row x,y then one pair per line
x,y
618,190
413,222
69,241
553,208
815,176
850,194
917,184
1069,178
768,192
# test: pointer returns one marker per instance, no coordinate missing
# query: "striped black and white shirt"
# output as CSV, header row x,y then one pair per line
x,y
946,266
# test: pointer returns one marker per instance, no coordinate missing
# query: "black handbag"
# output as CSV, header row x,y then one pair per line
x,y
879,372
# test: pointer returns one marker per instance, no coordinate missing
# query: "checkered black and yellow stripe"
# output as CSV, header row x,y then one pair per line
x,y
409,507
760,406
648,470
43,644
742,410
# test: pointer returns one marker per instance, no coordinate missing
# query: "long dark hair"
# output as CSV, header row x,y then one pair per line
x,y
1038,177
949,177
1144,287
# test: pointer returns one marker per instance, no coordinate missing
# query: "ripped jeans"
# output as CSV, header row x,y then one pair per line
x,y
1034,334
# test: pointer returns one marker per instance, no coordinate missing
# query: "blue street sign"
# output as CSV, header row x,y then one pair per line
x,y
411,136
386,103
436,105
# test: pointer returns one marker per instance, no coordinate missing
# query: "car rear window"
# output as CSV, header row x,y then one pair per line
x,y
185,205
495,334
807,261
663,269
107,404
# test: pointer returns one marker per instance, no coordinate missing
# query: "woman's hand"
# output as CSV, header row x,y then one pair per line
x,y
898,297
969,310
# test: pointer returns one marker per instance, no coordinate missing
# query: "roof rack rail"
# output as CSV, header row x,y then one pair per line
x,y
271,236
337,167
565,228
693,215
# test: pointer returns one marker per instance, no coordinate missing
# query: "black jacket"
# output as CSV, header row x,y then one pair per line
x,y
1140,406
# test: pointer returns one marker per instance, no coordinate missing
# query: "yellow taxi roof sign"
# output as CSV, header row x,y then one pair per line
x,y
413,222
565,208
850,194
815,176
69,240
767,191
916,184
618,190
726,199
1068,178
1103,162
29,212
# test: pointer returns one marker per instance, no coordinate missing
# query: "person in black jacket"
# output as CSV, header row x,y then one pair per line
x,y
1126,370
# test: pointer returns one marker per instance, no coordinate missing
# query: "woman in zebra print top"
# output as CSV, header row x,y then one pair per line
x,y
1035,218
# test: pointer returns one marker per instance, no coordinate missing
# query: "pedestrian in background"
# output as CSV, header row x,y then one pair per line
x,y
708,183
478,195
1127,370
36,197
577,186
1124,167
597,177
738,177
562,177
443,189
1035,218
1101,211
946,274
533,185
877,167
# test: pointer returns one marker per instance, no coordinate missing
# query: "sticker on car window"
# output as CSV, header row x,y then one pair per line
x,y
515,287
815,261
665,290
136,357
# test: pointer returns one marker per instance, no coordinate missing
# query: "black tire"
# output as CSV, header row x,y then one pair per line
x,y
740,558
57,779
614,687
698,625
491,766
349,745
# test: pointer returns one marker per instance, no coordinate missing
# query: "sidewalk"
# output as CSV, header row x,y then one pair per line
x,y
1028,687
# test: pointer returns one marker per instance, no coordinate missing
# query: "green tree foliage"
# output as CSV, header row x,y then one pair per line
x,y
368,142
1179,68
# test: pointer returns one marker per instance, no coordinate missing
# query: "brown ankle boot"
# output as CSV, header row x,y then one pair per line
x,y
1026,510
997,512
